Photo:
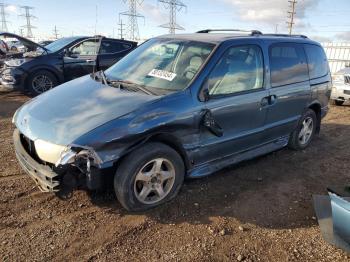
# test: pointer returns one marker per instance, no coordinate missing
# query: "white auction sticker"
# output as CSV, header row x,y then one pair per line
x,y
162,74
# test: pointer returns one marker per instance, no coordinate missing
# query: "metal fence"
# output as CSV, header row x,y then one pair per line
x,y
338,55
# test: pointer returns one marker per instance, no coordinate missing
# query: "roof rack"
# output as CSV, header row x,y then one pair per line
x,y
252,32
286,35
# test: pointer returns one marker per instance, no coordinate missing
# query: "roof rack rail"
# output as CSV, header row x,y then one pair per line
x,y
286,35
252,32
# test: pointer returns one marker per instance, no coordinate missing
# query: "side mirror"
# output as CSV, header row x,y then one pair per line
x,y
204,93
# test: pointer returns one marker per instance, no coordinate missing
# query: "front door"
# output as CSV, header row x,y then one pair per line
x,y
237,103
81,59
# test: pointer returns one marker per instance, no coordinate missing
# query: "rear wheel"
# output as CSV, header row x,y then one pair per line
x,y
305,131
148,177
41,81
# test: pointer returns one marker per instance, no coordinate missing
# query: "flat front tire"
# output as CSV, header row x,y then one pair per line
x,y
305,131
148,177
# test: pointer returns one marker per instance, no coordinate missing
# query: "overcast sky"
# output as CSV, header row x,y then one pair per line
x,y
323,20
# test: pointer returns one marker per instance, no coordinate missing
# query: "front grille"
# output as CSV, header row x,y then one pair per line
x,y
29,147
347,79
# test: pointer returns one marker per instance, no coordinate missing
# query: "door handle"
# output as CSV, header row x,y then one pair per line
x,y
89,60
268,100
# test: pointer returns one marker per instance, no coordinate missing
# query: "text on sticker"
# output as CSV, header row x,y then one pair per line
x,y
162,74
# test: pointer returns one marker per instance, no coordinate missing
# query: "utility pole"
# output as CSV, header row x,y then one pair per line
x,y
132,28
55,32
291,14
121,29
28,16
21,33
173,6
3,17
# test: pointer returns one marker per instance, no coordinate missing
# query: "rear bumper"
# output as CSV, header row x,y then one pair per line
x,y
44,176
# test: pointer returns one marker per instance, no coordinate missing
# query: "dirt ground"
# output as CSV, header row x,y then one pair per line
x,y
260,210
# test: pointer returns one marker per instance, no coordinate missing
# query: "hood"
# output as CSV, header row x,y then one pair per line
x,y
68,111
30,45
344,71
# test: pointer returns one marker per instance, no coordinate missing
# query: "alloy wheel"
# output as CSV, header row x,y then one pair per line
x,y
41,83
306,131
154,181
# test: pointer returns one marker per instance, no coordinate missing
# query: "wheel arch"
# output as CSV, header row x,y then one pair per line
x,y
164,138
45,68
316,107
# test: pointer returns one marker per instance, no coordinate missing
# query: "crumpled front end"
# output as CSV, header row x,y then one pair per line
x,y
57,168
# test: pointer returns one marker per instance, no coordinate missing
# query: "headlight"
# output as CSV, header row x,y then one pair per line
x,y
69,156
14,62
338,78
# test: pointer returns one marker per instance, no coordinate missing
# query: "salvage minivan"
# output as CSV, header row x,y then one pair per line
x,y
177,106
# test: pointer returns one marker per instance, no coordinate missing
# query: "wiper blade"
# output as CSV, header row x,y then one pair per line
x,y
128,85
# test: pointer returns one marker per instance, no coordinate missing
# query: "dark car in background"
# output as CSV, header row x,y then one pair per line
x,y
177,106
65,59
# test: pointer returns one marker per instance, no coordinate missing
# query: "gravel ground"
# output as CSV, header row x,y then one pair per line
x,y
260,210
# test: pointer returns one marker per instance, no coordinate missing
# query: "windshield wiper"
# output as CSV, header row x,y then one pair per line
x,y
128,85
121,84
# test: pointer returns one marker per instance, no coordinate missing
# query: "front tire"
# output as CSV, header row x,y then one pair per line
x,y
148,177
305,131
41,81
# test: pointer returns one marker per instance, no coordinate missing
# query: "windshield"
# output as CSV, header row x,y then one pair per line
x,y
162,64
60,43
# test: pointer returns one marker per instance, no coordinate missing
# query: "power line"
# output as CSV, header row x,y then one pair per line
x,y
28,16
291,15
173,6
132,28
3,17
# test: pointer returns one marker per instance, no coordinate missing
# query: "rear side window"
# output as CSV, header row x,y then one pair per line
x,y
110,47
317,60
288,64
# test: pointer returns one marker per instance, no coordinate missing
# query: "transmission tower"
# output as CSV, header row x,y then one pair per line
x,y
55,32
291,14
3,17
132,28
28,16
121,29
173,6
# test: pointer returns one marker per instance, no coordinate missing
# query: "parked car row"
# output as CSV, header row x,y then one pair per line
x,y
41,67
177,106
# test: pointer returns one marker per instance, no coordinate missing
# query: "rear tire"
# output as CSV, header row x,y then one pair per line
x,y
305,131
41,81
148,177
338,102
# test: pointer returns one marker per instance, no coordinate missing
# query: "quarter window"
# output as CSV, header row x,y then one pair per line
x,y
288,64
317,61
240,69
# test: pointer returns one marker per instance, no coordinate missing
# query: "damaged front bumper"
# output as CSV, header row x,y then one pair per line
x,y
76,166
43,175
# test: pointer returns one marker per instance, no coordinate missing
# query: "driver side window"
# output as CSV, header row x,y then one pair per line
x,y
86,48
240,69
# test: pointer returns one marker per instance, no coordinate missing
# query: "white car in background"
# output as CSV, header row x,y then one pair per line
x,y
341,86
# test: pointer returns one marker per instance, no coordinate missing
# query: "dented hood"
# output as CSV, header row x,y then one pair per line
x,y
68,111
